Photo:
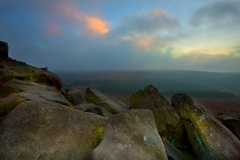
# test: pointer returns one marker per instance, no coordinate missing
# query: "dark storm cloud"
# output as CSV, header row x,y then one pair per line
x,y
216,13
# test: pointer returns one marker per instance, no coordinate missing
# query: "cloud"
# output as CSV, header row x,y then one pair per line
x,y
217,13
153,22
87,24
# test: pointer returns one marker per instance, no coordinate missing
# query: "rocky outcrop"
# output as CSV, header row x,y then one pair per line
x,y
231,121
99,111
12,69
111,104
168,121
3,49
45,96
75,95
47,130
209,139
130,135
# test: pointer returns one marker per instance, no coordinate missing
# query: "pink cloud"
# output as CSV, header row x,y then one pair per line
x,y
87,24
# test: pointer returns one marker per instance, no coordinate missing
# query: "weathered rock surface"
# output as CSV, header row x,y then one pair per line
x,y
111,104
45,96
26,86
99,111
210,140
84,106
231,121
3,49
47,130
75,95
172,152
130,135
167,120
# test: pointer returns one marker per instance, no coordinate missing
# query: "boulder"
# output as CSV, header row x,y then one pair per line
x,y
91,107
75,95
45,96
209,139
168,122
231,121
84,106
172,152
111,104
3,49
99,111
130,135
47,130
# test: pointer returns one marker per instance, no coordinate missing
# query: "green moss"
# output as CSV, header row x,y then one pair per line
x,y
97,135
188,156
5,91
6,107
11,76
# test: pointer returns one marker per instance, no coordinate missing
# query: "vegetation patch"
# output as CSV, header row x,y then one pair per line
x,y
5,91
7,106
97,135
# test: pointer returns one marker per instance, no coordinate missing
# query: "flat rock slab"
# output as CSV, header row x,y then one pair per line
x,y
111,104
130,135
209,139
37,130
44,96
99,111
26,86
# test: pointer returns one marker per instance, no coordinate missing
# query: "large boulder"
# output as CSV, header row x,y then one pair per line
x,y
167,120
3,49
47,130
130,135
111,104
209,139
45,96
75,95
231,121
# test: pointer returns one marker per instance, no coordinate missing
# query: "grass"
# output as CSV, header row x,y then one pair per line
x,y
7,106
5,91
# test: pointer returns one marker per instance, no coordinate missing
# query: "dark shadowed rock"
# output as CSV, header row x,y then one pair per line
x,y
75,95
47,130
3,49
168,121
84,106
130,135
210,140
45,96
231,121
111,104
99,111
172,152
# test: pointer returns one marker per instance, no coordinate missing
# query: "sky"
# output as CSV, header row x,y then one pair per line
x,y
92,35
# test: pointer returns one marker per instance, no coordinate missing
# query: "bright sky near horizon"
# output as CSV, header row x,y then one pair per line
x,y
85,35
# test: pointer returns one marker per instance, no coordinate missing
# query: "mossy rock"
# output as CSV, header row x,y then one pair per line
x,y
97,136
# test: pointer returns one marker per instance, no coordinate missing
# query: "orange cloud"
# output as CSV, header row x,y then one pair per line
x,y
89,24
